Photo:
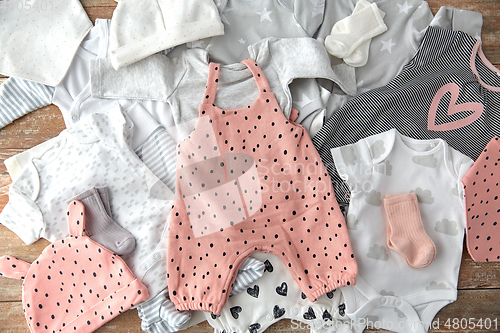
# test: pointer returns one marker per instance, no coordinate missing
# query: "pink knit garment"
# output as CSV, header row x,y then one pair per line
x,y
405,231
250,180
482,193
75,285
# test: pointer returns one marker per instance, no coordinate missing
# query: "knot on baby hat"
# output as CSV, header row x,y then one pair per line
x,y
78,285
140,28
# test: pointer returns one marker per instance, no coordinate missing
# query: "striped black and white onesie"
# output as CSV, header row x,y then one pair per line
x,y
449,90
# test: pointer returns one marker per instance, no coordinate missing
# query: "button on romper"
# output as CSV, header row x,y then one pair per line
x,y
250,180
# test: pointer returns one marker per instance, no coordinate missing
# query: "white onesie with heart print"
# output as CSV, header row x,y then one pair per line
x,y
388,292
277,296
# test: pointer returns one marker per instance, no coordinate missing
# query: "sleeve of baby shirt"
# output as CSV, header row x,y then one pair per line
x,y
306,58
418,23
459,166
354,165
459,20
153,78
20,96
21,214
309,14
302,58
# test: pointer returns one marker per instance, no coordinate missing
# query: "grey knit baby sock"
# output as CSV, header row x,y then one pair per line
x,y
100,227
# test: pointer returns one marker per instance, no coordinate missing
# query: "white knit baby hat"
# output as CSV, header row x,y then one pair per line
x,y
140,28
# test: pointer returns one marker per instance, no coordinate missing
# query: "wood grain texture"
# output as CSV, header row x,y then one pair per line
x,y
490,34
12,318
479,283
32,129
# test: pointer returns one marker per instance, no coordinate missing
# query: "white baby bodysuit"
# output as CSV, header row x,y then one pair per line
x,y
72,95
388,291
38,39
273,297
94,152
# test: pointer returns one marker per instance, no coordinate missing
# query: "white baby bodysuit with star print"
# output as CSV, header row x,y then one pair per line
x,y
389,290
247,22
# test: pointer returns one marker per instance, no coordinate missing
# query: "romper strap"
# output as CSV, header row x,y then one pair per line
x,y
294,114
76,218
213,79
258,75
13,268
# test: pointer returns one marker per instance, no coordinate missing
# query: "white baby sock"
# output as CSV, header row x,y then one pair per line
x,y
350,33
100,227
359,56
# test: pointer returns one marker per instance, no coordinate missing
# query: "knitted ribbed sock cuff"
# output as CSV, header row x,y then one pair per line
x,y
92,208
405,231
103,193
352,31
100,227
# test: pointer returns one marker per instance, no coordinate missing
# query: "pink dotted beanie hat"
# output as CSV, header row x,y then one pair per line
x,y
140,28
75,284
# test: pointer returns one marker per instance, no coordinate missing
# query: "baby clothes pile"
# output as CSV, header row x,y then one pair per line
x,y
250,161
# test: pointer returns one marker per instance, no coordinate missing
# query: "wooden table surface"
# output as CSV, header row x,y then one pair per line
x,y
479,283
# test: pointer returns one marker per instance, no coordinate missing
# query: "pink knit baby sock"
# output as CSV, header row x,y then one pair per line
x,y
405,231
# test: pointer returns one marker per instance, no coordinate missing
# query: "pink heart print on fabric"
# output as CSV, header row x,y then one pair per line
x,y
453,108
219,191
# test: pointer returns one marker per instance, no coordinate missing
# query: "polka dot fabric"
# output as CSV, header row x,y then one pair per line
x,y
482,199
39,39
75,284
288,210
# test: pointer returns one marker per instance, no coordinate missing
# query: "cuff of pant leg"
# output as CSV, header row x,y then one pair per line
x,y
345,281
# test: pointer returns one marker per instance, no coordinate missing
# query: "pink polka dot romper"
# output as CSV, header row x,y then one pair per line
x,y
250,180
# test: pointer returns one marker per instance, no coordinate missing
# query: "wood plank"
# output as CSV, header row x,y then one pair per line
x,y
490,9
12,318
100,12
474,275
5,182
97,3
479,283
33,128
471,304
477,304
